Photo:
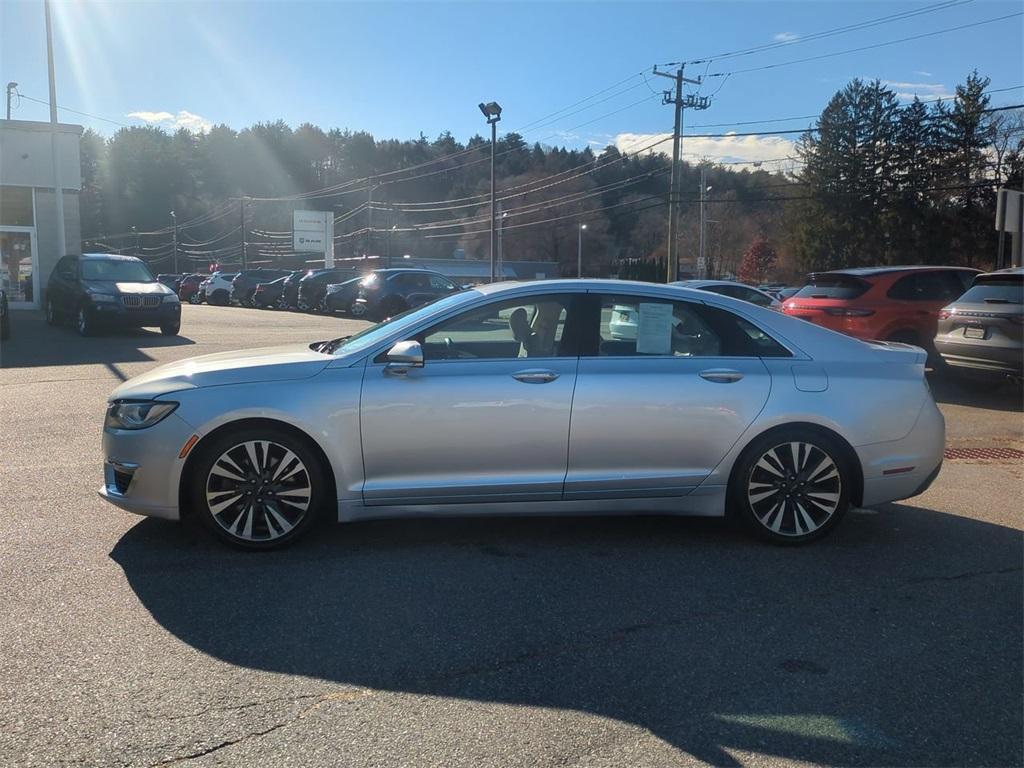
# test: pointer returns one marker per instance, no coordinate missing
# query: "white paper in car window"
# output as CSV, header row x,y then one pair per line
x,y
654,329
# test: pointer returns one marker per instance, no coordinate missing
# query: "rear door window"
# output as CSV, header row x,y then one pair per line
x,y
832,287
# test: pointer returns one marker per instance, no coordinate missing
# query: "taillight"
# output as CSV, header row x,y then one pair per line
x,y
945,314
848,312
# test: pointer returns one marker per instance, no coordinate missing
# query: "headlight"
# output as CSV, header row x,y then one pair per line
x,y
102,297
136,414
171,298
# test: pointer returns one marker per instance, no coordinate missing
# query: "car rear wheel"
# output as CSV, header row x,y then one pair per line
x,y
219,298
791,486
258,488
195,298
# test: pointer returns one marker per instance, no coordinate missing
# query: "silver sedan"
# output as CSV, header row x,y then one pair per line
x,y
517,398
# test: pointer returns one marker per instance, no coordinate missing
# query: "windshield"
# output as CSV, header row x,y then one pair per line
x,y
116,270
373,334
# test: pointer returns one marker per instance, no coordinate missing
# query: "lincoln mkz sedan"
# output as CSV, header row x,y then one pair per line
x,y
516,398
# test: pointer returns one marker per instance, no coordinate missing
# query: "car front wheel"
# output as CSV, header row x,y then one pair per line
x,y
51,313
791,486
85,324
171,329
258,488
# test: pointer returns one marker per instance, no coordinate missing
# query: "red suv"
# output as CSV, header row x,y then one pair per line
x,y
886,303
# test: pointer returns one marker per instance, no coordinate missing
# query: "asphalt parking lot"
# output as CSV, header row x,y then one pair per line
x,y
541,642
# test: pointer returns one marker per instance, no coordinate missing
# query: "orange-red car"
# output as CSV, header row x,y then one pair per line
x,y
884,303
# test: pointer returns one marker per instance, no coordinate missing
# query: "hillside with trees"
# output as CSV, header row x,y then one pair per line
x,y
878,182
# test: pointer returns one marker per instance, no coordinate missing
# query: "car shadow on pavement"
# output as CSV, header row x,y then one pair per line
x,y
993,394
897,640
35,344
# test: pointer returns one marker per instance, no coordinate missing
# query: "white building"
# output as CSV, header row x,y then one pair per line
x,y
28,211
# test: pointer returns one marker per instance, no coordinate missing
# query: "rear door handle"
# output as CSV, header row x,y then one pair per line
x,y
721,375
535,376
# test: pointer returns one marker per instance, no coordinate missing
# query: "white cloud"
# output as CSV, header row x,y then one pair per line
x,y
786,37
184,119
925,91
922,73
152,117
743,151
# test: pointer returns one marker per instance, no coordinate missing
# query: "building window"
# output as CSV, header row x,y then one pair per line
x,y
16,207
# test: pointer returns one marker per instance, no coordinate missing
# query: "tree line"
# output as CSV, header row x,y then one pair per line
x,y
879,183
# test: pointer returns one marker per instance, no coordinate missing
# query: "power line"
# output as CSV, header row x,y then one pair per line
x,y
830,32
869,47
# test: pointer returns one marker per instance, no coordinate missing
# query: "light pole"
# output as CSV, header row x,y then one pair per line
x,y
136,233
579,251
174,263
702,264
492,111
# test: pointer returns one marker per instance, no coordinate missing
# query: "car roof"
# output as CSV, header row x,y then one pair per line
x,y
708,283
867,271
1009,272
108,257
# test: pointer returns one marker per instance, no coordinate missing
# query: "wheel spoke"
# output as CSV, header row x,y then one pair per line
x,y
250,449
761,495
219,506
765,465
275,513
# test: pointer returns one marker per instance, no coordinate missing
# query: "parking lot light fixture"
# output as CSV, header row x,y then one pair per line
x,y
492,111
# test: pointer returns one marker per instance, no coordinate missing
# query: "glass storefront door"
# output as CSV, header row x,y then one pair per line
x,y
19,269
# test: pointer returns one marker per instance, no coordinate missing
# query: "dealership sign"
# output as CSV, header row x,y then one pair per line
x,y
313,231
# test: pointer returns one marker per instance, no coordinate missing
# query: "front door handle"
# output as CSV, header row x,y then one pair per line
x,y
721,375
535,376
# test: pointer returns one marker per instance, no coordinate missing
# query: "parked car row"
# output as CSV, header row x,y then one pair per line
x,y
965,319
377,294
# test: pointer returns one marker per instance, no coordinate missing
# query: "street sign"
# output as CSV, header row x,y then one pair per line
x,y
313,231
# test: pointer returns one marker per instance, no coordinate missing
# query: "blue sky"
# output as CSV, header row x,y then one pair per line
x,y
397,70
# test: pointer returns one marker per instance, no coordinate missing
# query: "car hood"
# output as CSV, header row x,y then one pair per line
x,y
293,361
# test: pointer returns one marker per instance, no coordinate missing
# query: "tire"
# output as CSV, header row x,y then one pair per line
x,y
218,298
171,329
84,323
791,486
195,298
225,479
51,313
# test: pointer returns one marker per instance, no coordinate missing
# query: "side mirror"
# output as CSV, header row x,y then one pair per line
x,y
403,356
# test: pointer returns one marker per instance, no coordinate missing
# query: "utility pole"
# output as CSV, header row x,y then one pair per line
x,y
241,209
501,241
693,102
11,88
58,185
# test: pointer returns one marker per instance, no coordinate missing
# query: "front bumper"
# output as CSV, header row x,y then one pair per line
x,y
141,468
113,313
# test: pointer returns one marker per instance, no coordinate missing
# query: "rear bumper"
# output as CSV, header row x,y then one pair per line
x,y
114,314
981,357
903,468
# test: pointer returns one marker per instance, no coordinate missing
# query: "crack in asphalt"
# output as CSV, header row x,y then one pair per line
x,y
321,699
236,707
966,575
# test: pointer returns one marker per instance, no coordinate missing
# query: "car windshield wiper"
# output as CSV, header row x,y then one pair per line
x,y
327,347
